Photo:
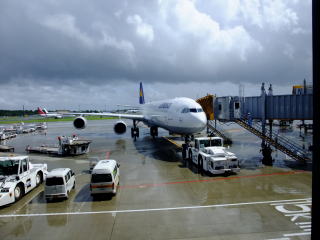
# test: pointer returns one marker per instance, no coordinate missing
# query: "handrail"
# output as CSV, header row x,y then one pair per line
x,y
280,139
280,142
225,138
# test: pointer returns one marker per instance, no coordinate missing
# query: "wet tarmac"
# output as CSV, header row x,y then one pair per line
x,y
162,197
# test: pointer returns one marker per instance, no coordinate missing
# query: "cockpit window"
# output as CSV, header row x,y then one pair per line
x,y
187,110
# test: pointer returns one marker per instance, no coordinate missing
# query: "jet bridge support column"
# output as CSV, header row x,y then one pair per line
x,y
265,148
270,127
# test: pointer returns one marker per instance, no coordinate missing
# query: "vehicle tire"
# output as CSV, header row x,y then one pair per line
x,y
38,179
114,192
67,197
18,192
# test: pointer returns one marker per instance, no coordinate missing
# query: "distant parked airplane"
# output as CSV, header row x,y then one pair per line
x,y
178,115
44,113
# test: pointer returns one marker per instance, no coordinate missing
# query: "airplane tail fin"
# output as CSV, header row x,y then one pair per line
x,y
141,94
40,112
45,111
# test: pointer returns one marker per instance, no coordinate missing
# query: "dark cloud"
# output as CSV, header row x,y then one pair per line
x,y
54,42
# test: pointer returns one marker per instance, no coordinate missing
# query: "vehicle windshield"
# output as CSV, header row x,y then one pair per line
x,y
211,143
9,167
52,181
97,178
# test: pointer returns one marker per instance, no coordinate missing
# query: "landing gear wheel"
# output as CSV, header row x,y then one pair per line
x,y
17,193
135,133
154,132
190,156
184,151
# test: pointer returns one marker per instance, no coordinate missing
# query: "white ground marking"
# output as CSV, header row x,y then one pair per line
x,y
297,234
147,210
279,239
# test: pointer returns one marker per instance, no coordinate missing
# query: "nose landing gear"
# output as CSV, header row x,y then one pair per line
x,y
154,132
134,131
188,139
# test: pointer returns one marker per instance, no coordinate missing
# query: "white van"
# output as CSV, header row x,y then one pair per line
x,y
105,177
59,183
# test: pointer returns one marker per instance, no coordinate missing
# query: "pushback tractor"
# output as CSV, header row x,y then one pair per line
x,y
18,176
209,154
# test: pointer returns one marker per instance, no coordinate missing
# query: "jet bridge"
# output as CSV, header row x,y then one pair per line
x,y
243,110
265,106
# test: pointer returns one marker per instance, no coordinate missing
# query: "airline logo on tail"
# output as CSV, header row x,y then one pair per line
x,y
141,95
40,112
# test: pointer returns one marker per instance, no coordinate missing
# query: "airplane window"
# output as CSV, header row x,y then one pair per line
x,y
193,110
165,105
199,110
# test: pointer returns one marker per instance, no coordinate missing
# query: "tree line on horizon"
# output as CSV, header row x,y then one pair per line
x,y
19,113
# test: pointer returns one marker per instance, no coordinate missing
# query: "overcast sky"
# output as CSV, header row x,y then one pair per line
x,y
92,54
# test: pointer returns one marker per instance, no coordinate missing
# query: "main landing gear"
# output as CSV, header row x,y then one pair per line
x,y
134,131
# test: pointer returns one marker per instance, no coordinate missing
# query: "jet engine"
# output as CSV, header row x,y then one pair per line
x,y
80,123
120,127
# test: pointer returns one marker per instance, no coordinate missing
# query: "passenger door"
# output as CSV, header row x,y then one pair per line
x,y
29,182
70,181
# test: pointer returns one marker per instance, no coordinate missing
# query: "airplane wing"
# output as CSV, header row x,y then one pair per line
x,y
106,114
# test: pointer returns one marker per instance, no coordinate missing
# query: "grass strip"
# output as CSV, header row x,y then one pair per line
x,y
66,119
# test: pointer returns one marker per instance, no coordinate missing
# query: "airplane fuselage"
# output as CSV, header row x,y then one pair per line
x,y
178,115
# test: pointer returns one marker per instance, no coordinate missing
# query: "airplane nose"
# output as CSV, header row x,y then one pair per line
x,y
201,120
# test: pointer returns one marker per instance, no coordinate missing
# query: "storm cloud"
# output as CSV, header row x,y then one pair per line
x,y
59,50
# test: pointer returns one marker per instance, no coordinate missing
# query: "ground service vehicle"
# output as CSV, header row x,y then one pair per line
x,y
59,183
210,155
19,176
105,177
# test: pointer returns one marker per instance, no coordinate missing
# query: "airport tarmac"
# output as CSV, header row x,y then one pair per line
x,y
162,197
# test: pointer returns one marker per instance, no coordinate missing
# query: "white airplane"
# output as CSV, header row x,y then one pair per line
x,y
44,113
182,116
